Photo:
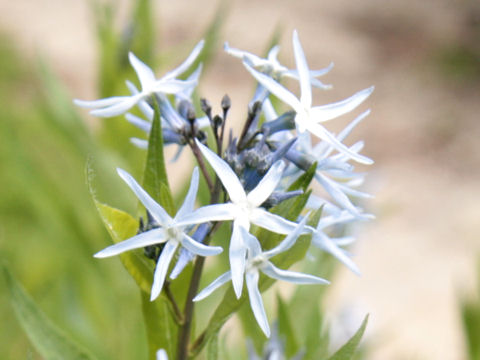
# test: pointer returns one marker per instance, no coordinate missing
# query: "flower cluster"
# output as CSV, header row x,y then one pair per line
x,y
255,169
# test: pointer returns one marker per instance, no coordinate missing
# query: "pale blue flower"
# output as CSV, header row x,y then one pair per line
x,y
173,124
331,245
244,209
169,231
258,261
168,84
272,67
308,117
334,172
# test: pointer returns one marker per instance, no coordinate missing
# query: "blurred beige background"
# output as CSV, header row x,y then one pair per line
x,y
420,254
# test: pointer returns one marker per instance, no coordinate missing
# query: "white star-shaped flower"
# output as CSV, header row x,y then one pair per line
x,y
258,261
272,67
244,209
308,117
334,172
169,232
168,84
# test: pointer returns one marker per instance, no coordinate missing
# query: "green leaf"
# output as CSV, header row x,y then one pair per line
x,y
50,342
347,351
122,226
161,330
285,328
314,343
304,180
155,180
212,38
250,327
470,311
142,39
212,347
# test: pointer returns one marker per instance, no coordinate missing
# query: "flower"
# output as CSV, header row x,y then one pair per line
x,y
308,117
169,232
333,245
258,261
333,171
243,209
272,67
168,84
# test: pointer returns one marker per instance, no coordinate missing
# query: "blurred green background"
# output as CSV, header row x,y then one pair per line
x,y
424,59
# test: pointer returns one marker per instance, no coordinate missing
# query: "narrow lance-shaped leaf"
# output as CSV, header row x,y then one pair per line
x,y
155,180
122,226
50,342
250,328
211,36
161,330
285,328
315,341
160,325
347,351
143,31
212,347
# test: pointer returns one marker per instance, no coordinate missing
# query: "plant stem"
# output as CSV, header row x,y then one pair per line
x,y
184,333
201,163
176,310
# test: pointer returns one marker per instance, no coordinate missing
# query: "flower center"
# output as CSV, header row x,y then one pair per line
x,y
257,262
174,233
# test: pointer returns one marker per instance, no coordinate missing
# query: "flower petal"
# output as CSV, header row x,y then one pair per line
x,y
137,121
237,253
214,285
100,103
144,73
265,187
345,132
288,242
336,109
323,242
154,236
272,222
198,248
344,241
144,107
187,63
269,111
334,191
215,212
273,54
225,173
256,302
251,242
291,276
319,131
276,89
172,86
140,143
162,355
151,205
118,108
161,269
186,256
187,93
189,202
303,72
